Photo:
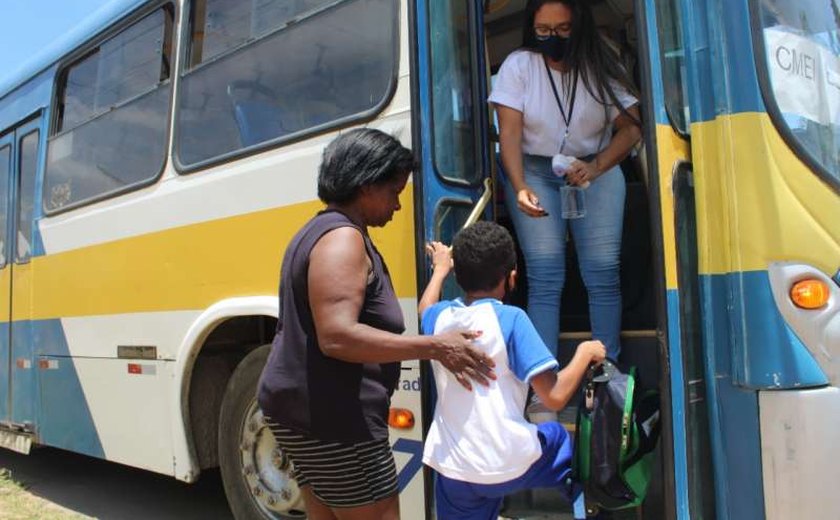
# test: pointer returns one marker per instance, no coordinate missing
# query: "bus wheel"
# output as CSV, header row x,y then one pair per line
x,y
256,474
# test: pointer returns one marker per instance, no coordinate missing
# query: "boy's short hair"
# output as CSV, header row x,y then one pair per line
x,y
484,254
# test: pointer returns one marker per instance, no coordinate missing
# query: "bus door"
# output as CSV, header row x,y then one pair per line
x,y
7,148
451,130
666,70
19,157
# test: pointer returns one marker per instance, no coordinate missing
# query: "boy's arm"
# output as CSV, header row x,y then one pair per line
x,y
442,264
555,390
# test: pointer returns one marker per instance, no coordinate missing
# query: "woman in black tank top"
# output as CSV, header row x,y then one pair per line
x,y
334,363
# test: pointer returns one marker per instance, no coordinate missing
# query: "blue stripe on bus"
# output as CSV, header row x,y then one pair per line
x,y
720,66
415,449
24,383
65,420
6,364
741,76
733,418
678,406
733,406
52,400
767,354
697,59
655,63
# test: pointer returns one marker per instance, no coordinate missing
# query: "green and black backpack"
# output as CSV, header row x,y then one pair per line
x,y
617,430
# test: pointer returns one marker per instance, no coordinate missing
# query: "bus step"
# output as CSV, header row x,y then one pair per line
x,y
625,334
16,441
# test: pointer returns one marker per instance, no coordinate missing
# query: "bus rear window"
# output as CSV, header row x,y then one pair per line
x,y
802,53
260,71
110,132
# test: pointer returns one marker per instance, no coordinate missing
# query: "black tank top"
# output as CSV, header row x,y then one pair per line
x,y
304,390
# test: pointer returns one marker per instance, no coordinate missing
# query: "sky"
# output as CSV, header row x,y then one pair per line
x,y
29,26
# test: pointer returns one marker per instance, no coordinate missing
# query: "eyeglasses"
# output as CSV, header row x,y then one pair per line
x,y
543,33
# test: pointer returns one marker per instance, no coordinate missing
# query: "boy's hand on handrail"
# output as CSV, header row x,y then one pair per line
x,y
441,255
456,352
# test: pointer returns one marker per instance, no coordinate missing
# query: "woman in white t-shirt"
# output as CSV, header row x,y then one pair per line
x,y
564,93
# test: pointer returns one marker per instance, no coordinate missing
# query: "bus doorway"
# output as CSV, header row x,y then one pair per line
x,y
19,156
459,51
503,24
7,143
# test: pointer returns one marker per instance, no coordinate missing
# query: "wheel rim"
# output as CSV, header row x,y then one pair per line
x,y
267,471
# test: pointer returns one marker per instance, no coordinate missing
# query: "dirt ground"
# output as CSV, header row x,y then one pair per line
x,y
54,484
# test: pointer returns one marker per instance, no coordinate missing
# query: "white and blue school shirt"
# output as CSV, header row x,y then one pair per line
x,y
481,435
522,84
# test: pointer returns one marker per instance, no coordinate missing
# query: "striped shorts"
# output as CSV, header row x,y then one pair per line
x,y
340,474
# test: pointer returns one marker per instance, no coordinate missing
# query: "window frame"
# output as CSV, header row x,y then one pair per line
x,y
685,133
477,102
183,70
17,190
772,106
76,57
7,140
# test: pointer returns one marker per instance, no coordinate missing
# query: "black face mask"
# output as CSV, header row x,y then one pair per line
x,y
554,47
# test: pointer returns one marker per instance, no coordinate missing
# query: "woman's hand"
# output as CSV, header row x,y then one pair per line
x,y
456,352
441,255
582,172
529,203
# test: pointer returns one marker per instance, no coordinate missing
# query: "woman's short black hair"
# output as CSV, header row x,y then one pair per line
x,y
484,255
359,158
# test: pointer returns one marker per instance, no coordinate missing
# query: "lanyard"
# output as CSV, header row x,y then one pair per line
x,y
566,119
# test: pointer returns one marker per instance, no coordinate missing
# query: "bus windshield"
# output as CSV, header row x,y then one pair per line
x,y
802,42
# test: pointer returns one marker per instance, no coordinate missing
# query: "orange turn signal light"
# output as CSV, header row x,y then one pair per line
x,y
809,293
400,418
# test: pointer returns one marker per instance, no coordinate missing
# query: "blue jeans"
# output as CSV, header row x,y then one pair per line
x,y
597,238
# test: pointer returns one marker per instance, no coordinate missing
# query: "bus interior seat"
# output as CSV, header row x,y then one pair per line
x,y
258,116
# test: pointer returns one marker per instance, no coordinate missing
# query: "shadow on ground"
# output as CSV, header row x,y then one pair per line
x,y
106,490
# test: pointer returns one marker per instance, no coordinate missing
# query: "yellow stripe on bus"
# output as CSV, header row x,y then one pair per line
x,y
189,267
5,284
672,149
757,202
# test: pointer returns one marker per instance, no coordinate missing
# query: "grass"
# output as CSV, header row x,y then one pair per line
x,y
17,503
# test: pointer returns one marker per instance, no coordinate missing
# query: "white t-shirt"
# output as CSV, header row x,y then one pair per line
x,y
482,436
522,84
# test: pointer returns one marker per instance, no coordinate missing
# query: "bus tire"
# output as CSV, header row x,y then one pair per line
x,y
257,476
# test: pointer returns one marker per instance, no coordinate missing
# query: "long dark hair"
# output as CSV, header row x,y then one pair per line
x,y
587,55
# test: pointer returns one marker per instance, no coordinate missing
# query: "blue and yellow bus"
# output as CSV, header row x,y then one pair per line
x,y
155,161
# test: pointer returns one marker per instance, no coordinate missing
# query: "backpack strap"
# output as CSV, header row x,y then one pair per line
x,y
648,425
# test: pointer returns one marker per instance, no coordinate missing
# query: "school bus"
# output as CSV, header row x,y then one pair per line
x,y
156,160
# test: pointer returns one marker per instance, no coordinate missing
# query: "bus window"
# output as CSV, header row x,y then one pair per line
x,y
673,64
253,77
110,132
802,52
455,148
28,167
5,170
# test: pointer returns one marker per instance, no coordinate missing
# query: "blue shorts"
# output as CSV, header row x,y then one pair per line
x,y
456,499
